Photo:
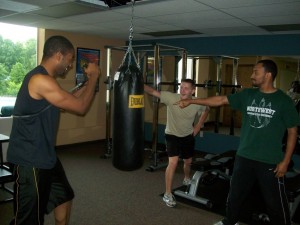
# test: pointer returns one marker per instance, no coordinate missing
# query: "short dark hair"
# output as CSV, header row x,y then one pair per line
x,y
269,66
56,44
190,81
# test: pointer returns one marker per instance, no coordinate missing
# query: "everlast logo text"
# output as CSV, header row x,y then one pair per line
x,y
136,101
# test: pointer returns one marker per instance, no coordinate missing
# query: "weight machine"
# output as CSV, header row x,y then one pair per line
x,y
157,51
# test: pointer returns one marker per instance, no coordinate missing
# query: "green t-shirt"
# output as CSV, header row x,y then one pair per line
x,y
265,118
179,121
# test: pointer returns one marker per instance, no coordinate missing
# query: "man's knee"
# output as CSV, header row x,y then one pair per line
x,y
188,161
173,161
62,213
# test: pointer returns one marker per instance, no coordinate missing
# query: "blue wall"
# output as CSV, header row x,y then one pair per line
x,y
255,45
210,142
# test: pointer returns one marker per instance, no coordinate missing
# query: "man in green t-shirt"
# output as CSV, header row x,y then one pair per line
x,y
180,131
267,114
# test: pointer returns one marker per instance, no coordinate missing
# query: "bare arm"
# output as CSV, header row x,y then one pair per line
x,y
151,91
282,167
210,101
201,121
47,87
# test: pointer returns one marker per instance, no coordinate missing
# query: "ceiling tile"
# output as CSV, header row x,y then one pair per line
x,y
67,9
192,18
270,20
24,19
17,6
4,12
213,17
221,4
167,7
270,10
233,31
98,17
43,3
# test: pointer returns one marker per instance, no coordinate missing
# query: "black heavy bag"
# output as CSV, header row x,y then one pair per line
x,y
128,118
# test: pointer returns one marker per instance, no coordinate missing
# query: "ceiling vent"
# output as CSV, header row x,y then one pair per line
x,y
116,3
108,3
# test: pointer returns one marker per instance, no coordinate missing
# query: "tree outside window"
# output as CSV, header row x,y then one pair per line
x,y
16,59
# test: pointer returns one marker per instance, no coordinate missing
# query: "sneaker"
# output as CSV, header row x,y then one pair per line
x,y
169,199
187,181
221,223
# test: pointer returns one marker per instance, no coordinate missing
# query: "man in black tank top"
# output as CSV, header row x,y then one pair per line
x,y
32,139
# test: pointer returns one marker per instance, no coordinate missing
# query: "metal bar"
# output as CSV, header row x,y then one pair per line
x,y
155,105
170,46
234,71
200,85
184,64
231,85
108,105
218,92
234,82
125,47
229,57
162,47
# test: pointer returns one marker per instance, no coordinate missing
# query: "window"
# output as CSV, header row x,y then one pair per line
x,y
189,70
18,55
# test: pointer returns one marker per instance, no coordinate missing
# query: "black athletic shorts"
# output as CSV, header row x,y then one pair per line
x,y
180,146
38,192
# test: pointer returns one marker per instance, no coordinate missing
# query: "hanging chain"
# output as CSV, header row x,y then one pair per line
x,y
130,51
131,23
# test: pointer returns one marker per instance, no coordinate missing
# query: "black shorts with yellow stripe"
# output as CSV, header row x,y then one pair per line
x,y
38,191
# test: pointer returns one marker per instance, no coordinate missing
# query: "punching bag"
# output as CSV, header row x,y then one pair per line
x,y
128,118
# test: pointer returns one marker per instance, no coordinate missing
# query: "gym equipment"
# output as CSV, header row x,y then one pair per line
x,y
142,50
212,167
294,91
128,125
156,85
208,168
208,84
157,50
293,191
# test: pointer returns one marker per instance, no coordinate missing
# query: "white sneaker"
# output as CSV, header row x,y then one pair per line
x,y
221,223
169,199
186,181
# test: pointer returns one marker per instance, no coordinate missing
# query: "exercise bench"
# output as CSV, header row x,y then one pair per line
x,y
207,169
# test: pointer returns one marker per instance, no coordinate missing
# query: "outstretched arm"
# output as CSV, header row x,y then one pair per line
x,y
151,91
211,101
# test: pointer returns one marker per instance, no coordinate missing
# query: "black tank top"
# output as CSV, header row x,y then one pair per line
x,y
34,129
